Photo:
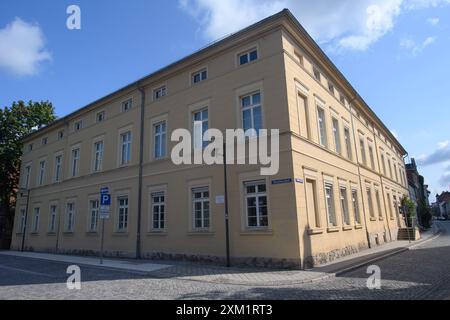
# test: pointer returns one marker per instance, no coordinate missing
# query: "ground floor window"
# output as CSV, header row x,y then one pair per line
x,y
52,219
256,204
158,210
70,218
329,197
36,219
93,217
122,221
201,208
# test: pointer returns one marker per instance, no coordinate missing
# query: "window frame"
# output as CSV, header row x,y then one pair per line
x,y
336,135
322,126
161,222
343,197
36,219
251,107
97,157
93,217
200,72
52,221
125,154
248,54
58,169
330,204
162,136
356,206
126,105
101,113
257,195
160,92
75,162
122,226
202,200
69,224
204,142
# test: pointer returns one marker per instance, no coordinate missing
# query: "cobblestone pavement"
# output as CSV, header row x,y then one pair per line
x,y
420,273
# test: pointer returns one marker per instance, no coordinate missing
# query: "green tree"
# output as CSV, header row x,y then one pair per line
x,y
410,209
16,122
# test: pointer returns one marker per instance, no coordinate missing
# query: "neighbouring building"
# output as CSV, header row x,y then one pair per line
x,y
338,190
443,204
418,192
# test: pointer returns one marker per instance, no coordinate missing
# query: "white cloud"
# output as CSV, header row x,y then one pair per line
x,y
433,21
22,48
440,155
414,47
344,24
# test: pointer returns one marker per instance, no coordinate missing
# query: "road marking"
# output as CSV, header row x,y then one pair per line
x,y
27,271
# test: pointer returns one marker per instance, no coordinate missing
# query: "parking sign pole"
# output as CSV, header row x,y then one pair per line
x,y
102,241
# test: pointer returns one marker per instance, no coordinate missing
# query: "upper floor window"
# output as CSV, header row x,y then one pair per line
x,y
98,156
337,136
159,134
78,125
299,58
159,93
199,76
26,181
200,125
348,143
251,112
362,146
322,127
58,168
372,157
256,204
370,202
127,105
331,88
342,98
60,134
30,147
100,116
317,74
248,56
75,161
41,173
21,227
44,141
125,148
383,162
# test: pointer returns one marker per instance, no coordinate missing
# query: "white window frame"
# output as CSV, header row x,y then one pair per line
x,y
58,167
94,210
97,163
36,219
102,114
257,195
123,210
204,142
362,147
126,105
60,135
52,218
159,93
161,212
249,132
348,142
205,213
200,73
355,206
21,225
75,161
41,173
322,126
78,125
343,195
27,176
330,205
370,202
336,135
70,217
248,54
162,138
125,154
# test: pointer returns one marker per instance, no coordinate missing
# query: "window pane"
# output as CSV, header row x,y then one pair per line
x,y
253,55
243,59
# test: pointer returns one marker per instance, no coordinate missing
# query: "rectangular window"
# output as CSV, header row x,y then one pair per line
x,y
344,206
94,206
200,125
78,125
159,134
75,161
60,135
27,175
30,147
342,98
299,58
98,156
317,74
390,168
329,198
371,156
355,202
158,210
41,173
322,127
337,136
383,163
70,217
348,143
58,168
199,76
311,203
391,213
201,211
378,200
36,219
331,88
44,141
251,113
122,215
125,148
22,221
127,105
248,56
256,204
370,202
52,219
159,93
304,115
395,171
100,116
363,151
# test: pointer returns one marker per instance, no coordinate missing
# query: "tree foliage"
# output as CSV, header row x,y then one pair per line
x,y
16,122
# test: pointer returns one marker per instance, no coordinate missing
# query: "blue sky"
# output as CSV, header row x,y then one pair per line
x,y
394,52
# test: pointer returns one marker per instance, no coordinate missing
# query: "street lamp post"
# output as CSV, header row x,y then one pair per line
x,y
227,231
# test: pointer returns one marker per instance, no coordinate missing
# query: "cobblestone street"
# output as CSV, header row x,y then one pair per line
x,y
419,273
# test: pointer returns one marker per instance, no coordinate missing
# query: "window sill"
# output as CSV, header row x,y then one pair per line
x,y
68,233
201,233
34,234
358,227
120,234
315,231
347,228
333,229
51,234
92,233
373,219
381,219
157,233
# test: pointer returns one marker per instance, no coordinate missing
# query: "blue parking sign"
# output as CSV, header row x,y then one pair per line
x,y
105,200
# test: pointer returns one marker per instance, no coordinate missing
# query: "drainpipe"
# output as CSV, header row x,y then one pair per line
x,y
141,162
359,172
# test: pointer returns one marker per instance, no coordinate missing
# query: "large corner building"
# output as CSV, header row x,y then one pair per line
x,y
338,191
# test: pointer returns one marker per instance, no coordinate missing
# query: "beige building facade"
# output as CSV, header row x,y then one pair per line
x,y
338,190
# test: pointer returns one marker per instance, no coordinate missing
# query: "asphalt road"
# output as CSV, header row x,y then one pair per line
x,y
420,273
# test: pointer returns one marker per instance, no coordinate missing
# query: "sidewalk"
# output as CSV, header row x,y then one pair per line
x,y
238,276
